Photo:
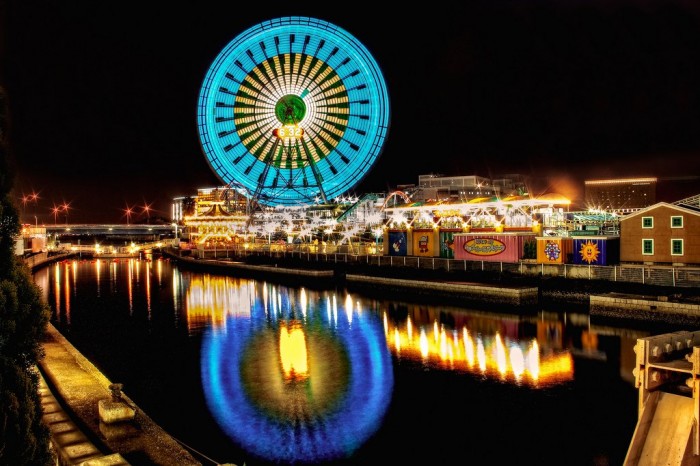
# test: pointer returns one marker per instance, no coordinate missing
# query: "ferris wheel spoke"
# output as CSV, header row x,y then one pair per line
x,y
290,109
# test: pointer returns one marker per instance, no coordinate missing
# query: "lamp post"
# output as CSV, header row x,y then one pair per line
x,y
65,207
147,210
29,198
55,210
128,211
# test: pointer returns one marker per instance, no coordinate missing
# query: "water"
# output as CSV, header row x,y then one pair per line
x,y
245,371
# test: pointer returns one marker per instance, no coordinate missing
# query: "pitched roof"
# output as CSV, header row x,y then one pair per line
x,y
681,208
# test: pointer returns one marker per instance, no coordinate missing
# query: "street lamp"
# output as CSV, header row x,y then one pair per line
x,y
27,198
65,208
55,210
128,211
147,211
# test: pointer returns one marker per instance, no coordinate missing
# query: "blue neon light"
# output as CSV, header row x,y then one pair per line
x,y
347,117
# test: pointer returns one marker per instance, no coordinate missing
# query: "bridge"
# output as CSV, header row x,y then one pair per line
x,y
109,230
101,251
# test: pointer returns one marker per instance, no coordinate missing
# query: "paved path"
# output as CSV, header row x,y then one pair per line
x,y
77,432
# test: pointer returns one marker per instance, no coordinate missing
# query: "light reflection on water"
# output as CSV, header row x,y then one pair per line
x,y
328,406
300,375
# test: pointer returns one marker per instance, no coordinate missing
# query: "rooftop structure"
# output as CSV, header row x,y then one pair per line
x,y
437,187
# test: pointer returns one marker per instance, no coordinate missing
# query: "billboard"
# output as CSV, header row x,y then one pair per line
x,y
507,247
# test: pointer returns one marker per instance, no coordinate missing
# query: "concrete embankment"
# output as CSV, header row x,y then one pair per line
x,y
645,307
467,293
77,430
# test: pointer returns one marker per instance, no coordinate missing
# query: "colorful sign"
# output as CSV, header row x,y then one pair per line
x,y
424,242
552,251
589,252
397,243
557,250
596,251
484,246
447,246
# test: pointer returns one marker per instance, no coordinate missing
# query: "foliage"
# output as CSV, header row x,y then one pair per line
x,y
25,437
530,249
23,320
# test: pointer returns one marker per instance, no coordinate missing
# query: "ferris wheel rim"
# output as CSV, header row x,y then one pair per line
x,y
329,85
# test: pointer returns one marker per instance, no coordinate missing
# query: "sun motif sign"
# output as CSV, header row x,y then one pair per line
x,y
589,252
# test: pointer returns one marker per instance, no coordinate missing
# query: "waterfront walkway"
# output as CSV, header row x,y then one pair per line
x,y
78,436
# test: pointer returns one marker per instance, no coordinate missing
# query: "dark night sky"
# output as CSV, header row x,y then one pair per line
x,y
102,95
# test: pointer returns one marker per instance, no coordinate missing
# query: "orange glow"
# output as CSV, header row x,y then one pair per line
x,y
98,272
66,291
453,349
130,284
621,181
293,354
57,291
148,289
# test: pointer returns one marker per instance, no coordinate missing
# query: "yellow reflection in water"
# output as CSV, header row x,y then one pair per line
x,y
457,349
293,352
57,291
210,300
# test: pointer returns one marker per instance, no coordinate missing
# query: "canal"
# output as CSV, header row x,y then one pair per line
x,y
257,372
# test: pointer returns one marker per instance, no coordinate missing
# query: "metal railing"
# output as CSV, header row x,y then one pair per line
x,y
673,276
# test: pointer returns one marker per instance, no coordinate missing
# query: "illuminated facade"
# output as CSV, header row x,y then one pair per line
x,y
620,195
215,216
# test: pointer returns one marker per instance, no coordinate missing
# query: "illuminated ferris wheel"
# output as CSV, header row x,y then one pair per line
x,y
295,110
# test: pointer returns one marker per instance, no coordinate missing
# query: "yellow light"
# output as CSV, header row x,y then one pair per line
x,y
293,353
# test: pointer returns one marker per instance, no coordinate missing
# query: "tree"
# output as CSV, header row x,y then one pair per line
x,y
24,438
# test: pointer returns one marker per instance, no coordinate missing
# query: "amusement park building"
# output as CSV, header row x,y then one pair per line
x,y
218,215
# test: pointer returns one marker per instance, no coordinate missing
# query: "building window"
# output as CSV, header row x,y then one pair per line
x,y
676,247
647,247
647,222
677,221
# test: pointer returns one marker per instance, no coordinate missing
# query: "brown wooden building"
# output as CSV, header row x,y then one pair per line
x,y
661,234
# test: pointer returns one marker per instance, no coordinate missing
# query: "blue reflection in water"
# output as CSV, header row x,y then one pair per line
x,y
325,417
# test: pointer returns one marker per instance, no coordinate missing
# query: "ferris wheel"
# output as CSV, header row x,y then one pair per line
x,y
295,110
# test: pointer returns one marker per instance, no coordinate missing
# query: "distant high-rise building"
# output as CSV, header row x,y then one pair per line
x,y
620,194
465,188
